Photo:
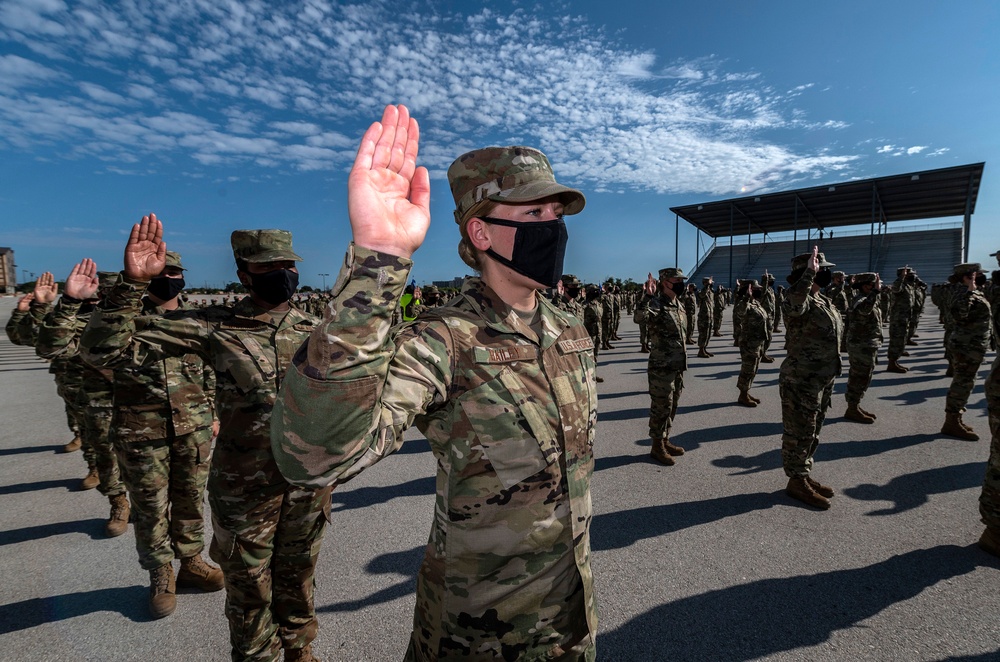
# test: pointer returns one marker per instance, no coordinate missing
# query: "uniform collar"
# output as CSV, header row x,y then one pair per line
x,y
501,317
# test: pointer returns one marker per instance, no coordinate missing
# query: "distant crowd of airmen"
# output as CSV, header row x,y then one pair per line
x,y
270,401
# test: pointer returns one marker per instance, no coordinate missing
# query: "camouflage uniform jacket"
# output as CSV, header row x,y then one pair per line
x,y
838,295
756,329
812,339
768,302
162,394
13,324
972,315
706,301
865,326
59,340
592,314
690,304
248,352
718,302
510,417
571,306
666,325
903,298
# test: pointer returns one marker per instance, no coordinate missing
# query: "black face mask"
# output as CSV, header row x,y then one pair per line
x,y
823,277
572,293
164,288
274,287
539,249
678,288
980,280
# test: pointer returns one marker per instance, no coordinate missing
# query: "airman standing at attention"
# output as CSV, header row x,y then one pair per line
x,y
706,309
837,293
864,337
500,382
162,427
968,344
719,302
755,333
267,532
593,313
607,307
690,300
812,339
59,337
667,357
900,310
989,497
739,308
770,304
778,299
568,296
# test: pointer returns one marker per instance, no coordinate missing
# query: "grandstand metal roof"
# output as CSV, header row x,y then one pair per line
x,y
911,196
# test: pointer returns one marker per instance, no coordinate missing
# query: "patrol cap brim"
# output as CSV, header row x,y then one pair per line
x,y
273,256
573,200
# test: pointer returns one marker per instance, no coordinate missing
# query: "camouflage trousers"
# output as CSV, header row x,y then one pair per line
x,y
989,498
99,451
750,354
966,368
643,336
68,389
803,409
777,316
948,329
704,331
616,320
911,326
166,484
267,536
737,326
665,387
716,321
859,378
898,326
690,326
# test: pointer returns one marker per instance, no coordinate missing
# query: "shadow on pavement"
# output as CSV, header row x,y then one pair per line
x,y
770,616
348,499
130,602
69,484
31,449
404,563
623,414
92,527
693,438
624,528
913,490
917,397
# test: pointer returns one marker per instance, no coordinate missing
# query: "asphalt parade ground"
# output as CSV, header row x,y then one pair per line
x,y
705,560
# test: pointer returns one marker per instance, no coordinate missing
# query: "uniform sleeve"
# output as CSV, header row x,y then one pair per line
x,y
13,332
118,334
797,300
59,332
865,305
354,386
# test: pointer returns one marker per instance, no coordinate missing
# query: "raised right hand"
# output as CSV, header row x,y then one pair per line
x,y
24,303
650,286
82,282
388,196
145,252
46,289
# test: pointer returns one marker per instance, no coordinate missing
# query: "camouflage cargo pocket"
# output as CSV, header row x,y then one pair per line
x,y
516,438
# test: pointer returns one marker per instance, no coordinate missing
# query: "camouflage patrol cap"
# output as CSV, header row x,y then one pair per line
x,y
672,272
263,245
569,280
431,289
507,174
899,272
866,278
174,260
961,269
801,261
106,279
839,273
706,279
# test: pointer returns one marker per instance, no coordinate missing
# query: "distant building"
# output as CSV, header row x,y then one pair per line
x,y
454,282
8,271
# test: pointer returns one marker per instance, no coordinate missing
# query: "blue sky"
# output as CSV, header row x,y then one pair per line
x,y
224,115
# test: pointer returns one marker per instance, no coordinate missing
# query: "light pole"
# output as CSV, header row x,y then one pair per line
x,y
324,280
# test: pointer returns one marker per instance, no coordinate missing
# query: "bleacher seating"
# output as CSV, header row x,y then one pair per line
x,y
932,253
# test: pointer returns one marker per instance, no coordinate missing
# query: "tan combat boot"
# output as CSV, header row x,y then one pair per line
x,y
819,488
91,480
118,520
854,413
196,573
800,489
767,359
660,454
745,399
672,449
867,413
895,367
73,445
953,427
300,654
990,541
162,591
753,397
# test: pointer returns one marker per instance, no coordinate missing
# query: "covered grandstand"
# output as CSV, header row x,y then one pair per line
x,y
753,234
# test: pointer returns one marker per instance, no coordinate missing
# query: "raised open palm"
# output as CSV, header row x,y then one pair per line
x,y
82,282
46,289
146,252
388,196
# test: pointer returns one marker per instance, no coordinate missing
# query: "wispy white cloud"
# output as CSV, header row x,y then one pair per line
x,y
894,150
291,85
